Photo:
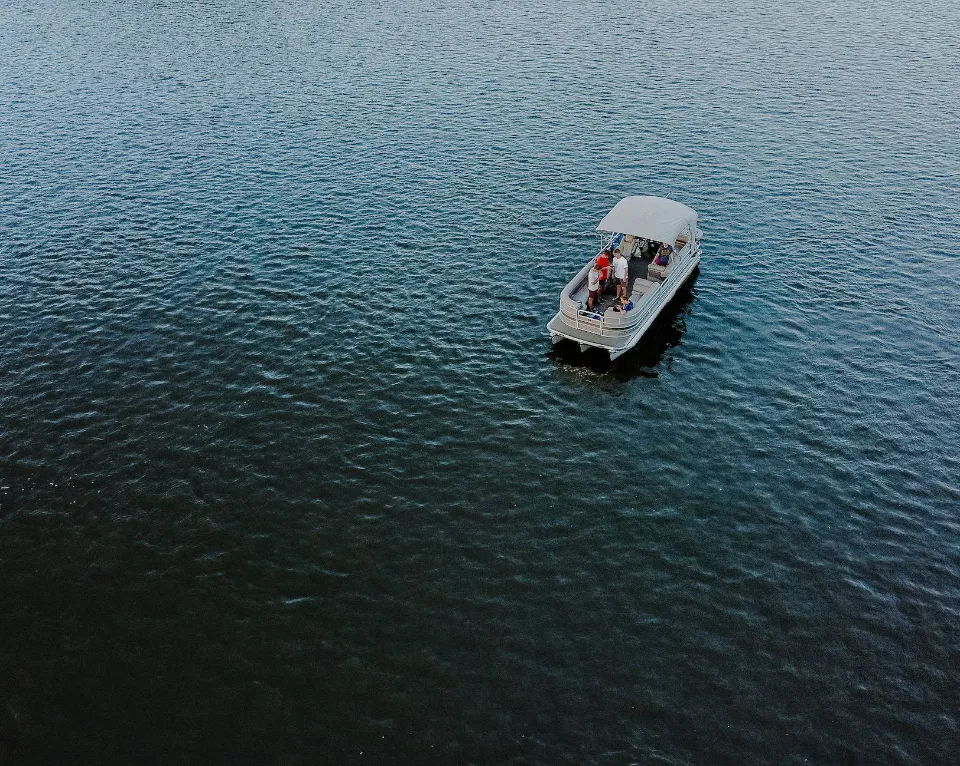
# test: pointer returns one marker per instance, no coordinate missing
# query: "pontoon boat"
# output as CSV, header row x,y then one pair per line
x,y
638,226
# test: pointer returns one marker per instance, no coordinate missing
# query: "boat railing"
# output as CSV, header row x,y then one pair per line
x,y
613,326
590,319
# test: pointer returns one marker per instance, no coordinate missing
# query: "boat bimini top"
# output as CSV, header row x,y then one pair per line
x,y
656,218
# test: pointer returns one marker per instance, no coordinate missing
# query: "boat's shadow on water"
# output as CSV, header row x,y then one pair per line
x,y
644,359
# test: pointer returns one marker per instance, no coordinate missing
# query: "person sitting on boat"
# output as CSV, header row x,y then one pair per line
x,y
603,261
623,304
663,255
620,269
593,285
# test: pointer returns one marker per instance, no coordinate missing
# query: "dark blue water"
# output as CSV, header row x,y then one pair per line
x,y
290,473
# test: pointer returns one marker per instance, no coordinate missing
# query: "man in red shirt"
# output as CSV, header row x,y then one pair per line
x,y
603,261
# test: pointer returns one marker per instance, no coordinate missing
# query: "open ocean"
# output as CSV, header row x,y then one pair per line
x,y
290,473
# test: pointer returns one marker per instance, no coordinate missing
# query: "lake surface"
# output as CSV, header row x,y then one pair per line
x,y
289,471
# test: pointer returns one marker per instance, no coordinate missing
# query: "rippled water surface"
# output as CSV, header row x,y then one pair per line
x,y
290,473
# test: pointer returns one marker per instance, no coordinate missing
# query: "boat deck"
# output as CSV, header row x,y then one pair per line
x,y
636,269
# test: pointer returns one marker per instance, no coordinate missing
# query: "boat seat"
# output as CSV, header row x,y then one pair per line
x,y
641,287
660,271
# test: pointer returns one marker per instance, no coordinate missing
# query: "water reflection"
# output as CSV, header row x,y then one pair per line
x,y
644,358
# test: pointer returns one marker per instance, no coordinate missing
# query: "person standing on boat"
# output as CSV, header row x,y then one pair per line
x,y
593,285
603,261
620,269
